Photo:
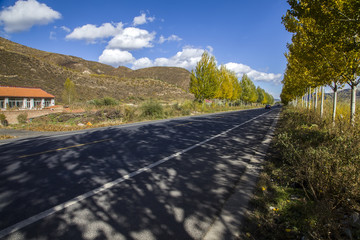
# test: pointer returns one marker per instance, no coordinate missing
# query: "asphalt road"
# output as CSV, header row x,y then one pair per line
x,y
161,180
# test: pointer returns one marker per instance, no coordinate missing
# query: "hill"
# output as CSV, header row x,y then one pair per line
x,y
344,95
24,66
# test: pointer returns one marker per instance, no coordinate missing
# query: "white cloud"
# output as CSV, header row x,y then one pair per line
x,y
91,33
142,19
173,37
25,14
66,29
241,69
132,38
52,35
187,58
116,57
210,48
142,63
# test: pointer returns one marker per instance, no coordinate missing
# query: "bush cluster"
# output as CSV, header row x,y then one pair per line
x,y
152,109
22,118
3,120
324,161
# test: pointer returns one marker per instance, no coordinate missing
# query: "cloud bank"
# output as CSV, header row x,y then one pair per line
x,y
131,39
142,19
173,37
241,69
25,14
90,33
116,57
121,41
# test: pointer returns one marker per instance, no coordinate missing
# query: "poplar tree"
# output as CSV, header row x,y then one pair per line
x,y
261,95
236,88
204,79
69,92
248,93
225,84
332,28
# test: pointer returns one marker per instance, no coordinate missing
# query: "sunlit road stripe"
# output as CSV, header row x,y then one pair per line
x,y
108,185
64,148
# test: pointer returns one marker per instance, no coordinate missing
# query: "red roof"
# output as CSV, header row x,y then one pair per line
x,y
7,91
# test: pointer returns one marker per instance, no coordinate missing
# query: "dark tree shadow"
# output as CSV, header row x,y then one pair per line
x,y
178,199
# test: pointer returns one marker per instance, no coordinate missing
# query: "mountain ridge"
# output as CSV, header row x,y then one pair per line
x,y
24,66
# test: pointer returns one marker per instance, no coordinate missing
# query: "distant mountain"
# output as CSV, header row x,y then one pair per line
x,y
24,66
344,95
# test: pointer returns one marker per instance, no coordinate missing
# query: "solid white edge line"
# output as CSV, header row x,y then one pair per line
x,y
106,186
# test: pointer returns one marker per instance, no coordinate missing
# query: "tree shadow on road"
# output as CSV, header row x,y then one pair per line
x,y
178,199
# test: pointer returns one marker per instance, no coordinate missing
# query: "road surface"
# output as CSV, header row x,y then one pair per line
x,y
165,179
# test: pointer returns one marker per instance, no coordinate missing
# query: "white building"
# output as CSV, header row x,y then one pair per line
x,y
25,98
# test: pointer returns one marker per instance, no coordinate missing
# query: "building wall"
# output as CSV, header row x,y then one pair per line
x,y
31,103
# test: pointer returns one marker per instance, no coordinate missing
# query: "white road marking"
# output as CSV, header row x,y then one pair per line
x,y
106,186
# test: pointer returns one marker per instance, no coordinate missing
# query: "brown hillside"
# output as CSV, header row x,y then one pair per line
x,y
24,66
179,77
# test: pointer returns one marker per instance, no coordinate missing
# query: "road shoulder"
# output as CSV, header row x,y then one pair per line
x,y
228,223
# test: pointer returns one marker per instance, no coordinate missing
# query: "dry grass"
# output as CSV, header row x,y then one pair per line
x,y
94,116
4,136
310,188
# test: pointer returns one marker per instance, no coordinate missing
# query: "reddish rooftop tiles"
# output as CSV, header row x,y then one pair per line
x,y
7,91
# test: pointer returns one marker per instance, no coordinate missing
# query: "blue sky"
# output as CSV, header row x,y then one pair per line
x,y
246,36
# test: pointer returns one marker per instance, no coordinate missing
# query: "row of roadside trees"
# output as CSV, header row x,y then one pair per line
x,y
325,49
208,81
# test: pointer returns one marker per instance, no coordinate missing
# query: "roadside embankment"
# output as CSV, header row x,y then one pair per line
x,y
310,188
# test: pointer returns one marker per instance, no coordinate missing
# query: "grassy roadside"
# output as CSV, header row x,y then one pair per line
x,y
310,186
5,136
115,114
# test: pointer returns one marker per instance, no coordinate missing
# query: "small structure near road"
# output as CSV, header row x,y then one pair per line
x,y
25,98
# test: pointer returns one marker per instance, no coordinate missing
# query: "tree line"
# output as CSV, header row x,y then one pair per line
x,y
325,50
208,81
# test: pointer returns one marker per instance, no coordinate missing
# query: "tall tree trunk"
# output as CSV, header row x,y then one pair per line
x,y
353,103
322,102
309,98
303,103
316,98
334,104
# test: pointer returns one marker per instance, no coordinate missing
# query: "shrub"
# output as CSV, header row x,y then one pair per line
x,y
3,120
188,105
108,101
22,117
152,109
324,161
129,113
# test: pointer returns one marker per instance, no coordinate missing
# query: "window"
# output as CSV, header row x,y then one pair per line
x,y
2,103
37,103
16,102
47,102
28,103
